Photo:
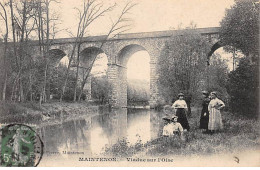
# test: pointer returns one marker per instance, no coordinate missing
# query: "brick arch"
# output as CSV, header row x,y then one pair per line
x,y
214,47
126,52
66,48
88,54
118,73
55,55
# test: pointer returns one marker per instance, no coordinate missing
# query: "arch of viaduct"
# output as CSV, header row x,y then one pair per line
x,y
119,50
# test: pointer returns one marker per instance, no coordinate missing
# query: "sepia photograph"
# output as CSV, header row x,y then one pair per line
x,y
129,83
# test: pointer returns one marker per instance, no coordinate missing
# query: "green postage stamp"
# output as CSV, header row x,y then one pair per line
x,y
20,146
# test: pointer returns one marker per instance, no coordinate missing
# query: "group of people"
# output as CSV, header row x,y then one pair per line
x,y
210,119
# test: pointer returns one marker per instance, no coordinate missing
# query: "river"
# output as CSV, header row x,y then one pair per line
x,y
90,136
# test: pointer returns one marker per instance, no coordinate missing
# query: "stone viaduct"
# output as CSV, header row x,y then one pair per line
x,y
119,50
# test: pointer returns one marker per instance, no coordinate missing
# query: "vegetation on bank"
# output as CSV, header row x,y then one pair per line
x,y
243,88
31,113
240,133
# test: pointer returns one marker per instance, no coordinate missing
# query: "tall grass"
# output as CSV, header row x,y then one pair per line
x,y
123,148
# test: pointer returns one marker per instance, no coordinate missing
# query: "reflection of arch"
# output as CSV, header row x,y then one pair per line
x,y
55,55
127,52
216,46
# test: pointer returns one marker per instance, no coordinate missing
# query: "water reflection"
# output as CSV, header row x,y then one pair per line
x,y
92,134
138,126
107,129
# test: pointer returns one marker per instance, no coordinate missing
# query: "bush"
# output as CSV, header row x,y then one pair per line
x,y
138,92
7,109
165,145
18,113
100,89
243,88
57,81
123,148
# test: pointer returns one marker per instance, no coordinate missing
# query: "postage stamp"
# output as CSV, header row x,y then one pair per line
x,y
20,146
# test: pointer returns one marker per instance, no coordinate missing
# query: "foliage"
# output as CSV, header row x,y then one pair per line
x,y
56,78
32,79
100,89
218,76
27,19
243,88
18,112
240,30
138,91
182,64
240,27
123,148
237,134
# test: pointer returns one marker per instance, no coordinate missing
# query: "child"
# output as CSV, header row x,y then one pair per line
x,y
172,127
176,126
167,127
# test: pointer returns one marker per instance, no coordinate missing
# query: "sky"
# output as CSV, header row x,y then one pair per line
x,y
147,15
138,66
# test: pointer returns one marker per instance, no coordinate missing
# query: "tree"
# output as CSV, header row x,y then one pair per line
x,y
240,31
100,88
27,76
243,88
217,76
5,18
182,64
92,10
28,18
120,25
56,79
23,24
43,22
240,28
138,91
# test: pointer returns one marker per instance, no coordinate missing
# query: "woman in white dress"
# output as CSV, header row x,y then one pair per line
x,y
215,120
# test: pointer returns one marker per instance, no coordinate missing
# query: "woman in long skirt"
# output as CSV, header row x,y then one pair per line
x,y
180,107
204,118
215,120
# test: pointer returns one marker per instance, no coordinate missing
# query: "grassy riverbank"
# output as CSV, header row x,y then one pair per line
x,y
31,113
239,134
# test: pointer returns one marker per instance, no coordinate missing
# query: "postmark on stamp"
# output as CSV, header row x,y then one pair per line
x,y
20,146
